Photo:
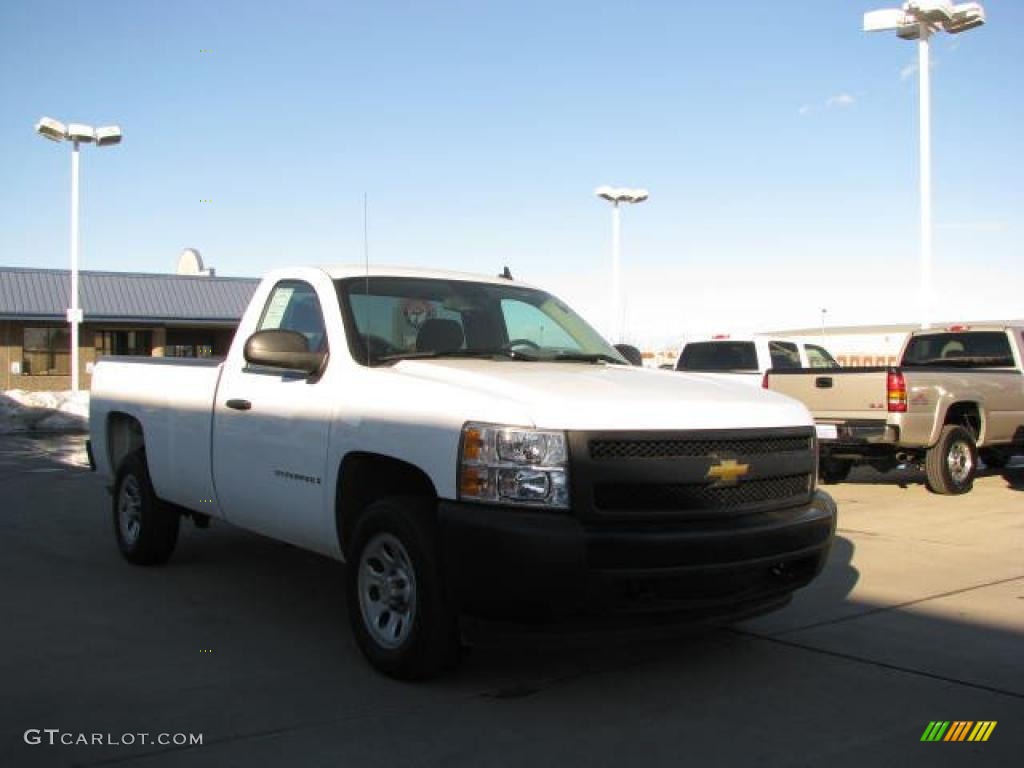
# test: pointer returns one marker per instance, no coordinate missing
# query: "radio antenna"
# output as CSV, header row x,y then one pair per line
x,y
366,263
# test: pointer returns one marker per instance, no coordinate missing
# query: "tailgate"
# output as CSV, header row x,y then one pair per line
x,y
835,395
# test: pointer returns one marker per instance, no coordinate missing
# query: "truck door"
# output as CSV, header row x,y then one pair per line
x,y
271,429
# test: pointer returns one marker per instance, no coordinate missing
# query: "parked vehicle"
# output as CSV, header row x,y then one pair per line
x,y
747,359
467,445
957,394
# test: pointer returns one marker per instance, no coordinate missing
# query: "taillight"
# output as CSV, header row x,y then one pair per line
x,y
764,381
896,391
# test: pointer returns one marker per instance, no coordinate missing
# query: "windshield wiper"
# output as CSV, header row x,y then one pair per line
x,y
473,353
583,357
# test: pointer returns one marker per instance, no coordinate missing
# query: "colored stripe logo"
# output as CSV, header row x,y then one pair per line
x,y
958,730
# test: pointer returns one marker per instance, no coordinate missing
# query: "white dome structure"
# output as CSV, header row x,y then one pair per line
x,y
191,263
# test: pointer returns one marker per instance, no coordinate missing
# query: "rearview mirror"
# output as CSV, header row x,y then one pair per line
x,y
631,353
282,349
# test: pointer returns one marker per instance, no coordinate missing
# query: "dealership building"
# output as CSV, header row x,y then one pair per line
x,y
159,315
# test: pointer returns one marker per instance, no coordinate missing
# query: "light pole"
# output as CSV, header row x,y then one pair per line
x,y
76,133
615,196
823,311
918,20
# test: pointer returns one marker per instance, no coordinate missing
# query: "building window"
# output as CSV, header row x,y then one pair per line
x,y
185,342
188,350
132,343
46,352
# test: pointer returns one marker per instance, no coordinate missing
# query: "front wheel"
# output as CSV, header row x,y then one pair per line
x,y
397,605
951,464
146,529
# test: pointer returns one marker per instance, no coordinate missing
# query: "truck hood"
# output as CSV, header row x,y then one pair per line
x,y
587,396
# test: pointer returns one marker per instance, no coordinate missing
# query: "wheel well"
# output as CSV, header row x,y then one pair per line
x,y
966,415
366,477
124,436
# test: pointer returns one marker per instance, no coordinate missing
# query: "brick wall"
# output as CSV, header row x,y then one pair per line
x,y
11,338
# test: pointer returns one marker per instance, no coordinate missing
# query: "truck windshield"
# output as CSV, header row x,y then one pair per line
x,y
398,318
718,356
975,349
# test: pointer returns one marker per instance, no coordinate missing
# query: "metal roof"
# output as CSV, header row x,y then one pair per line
x,y
43,294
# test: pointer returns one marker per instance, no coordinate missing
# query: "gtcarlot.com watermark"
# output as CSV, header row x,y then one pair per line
x,y
55,736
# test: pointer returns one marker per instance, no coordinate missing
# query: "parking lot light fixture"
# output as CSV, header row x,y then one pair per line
x,y
616,196
919,20
76,133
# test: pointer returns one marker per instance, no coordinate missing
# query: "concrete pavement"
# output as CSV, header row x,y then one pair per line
x,y
919,616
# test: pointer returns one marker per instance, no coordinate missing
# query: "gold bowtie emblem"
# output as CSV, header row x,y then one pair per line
x,y
727,472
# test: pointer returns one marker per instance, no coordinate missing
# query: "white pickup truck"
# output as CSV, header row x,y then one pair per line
x,y
468,445
747,359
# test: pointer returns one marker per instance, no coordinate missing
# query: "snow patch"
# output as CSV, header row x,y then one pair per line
x,y
24,411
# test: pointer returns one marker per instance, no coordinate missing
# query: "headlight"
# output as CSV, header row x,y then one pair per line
x,y
513,465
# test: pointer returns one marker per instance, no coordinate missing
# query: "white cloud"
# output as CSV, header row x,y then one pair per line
x,y
839,100
908,71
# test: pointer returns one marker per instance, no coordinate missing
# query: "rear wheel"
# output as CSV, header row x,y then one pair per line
x,y
831,471
951,464
146,529
400,615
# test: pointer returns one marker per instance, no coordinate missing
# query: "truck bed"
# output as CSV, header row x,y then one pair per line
x,y
177,411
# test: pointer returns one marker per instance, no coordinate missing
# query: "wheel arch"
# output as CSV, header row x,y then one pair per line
x,y
965,413
365,477
125,435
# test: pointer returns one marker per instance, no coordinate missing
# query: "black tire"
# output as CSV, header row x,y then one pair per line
x,y
951,464
832,471
146,529
408,635
994,458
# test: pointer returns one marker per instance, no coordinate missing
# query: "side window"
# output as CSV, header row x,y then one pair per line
x,y
293,306
525,321
819,357
784,354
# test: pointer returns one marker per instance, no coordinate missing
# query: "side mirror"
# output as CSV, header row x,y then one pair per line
x,y
282,349
631,353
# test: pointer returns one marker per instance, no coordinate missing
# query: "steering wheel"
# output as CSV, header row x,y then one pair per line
x,y
522,343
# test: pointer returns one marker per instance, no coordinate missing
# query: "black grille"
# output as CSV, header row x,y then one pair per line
x,y
694,497
669,449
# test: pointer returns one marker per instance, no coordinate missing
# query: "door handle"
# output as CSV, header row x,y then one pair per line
x,y
823,382
238,405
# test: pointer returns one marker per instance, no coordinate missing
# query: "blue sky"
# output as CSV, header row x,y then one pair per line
x,y
781,153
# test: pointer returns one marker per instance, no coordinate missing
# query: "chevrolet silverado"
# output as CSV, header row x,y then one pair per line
x,y
957,394
467,446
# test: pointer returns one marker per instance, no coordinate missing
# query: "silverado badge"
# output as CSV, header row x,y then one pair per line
x,y
726,472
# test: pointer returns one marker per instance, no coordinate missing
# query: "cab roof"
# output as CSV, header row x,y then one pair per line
x,y
342,271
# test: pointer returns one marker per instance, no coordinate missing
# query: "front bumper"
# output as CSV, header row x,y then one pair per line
x,y
503,563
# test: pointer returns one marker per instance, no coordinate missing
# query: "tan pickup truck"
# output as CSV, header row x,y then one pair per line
x,y
958,393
